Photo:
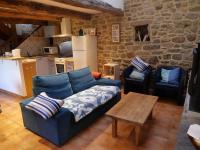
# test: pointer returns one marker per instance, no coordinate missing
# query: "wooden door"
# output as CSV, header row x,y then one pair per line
x,y
29,69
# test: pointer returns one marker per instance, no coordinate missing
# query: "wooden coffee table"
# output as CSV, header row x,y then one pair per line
x,y
135,108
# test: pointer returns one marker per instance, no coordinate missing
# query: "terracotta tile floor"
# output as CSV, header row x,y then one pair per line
x,y
158,134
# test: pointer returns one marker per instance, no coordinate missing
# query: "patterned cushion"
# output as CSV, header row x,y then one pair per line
x,y
83,103
138,63
45,106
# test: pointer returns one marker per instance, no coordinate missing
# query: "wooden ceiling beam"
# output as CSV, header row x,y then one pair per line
x,y
24,21
31,8
87,4
6,14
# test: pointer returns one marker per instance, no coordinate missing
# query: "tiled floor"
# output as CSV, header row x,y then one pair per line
x,y
158,134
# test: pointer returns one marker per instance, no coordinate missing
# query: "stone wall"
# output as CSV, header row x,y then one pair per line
x,y
34,43
174,30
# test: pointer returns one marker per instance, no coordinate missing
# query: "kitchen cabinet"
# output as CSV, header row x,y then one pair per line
x,y
11,78
29,70
64,64
17,73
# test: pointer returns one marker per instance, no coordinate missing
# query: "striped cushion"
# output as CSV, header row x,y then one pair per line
x,y
139,64
45,106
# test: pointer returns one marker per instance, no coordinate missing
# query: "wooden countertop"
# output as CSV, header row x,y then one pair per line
x,y
12,58
29,59
22,58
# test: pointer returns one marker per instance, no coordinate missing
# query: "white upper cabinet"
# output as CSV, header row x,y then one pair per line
x,y
49,31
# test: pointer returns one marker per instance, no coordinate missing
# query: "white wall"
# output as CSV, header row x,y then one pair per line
x,y
116,3
11,77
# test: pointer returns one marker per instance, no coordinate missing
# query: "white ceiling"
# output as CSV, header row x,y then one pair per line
x,y
115,3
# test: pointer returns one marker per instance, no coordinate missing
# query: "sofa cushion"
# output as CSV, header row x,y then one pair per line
x,y
137,75
166,85
83,103
81,79
56,86
45,106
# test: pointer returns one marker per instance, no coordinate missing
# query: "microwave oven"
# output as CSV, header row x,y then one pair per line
x,y
50,50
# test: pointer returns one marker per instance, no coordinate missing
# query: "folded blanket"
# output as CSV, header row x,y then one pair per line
x,y
83,103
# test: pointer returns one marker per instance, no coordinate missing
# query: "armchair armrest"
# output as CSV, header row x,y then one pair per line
x,y
147,74
182,79
127,71
104,81
157,75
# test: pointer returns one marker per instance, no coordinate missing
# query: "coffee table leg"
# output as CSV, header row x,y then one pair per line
x,y
114,127
137,135
151,115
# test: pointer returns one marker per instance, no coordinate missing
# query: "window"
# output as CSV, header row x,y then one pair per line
x,y
142,33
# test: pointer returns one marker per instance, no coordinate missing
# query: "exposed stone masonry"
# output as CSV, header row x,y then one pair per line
x,y
174,31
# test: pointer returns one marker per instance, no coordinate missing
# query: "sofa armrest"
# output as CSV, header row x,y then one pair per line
x,y
64,115
54,129
26,101
108,82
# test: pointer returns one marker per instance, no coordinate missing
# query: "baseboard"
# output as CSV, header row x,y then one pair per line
x,y
10,93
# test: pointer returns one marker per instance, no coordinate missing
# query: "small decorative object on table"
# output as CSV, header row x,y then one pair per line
x,y
111,71
96,75
194,135
81,33
90,31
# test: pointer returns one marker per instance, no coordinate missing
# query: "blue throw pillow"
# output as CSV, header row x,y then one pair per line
x,y
81,79
137,75
45,106
170,76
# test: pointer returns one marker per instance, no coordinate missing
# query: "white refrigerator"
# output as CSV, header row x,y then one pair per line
x,y
85,52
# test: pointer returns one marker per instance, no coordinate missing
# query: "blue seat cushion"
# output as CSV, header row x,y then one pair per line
x,y
81,79
165,84
55,86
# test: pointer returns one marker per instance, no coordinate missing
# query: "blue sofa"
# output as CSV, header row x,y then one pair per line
x,y
62,126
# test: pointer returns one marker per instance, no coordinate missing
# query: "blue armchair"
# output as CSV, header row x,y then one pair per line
x,y
136,85
172,90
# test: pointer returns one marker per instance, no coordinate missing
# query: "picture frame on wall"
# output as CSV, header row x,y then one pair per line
x,y
115,33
